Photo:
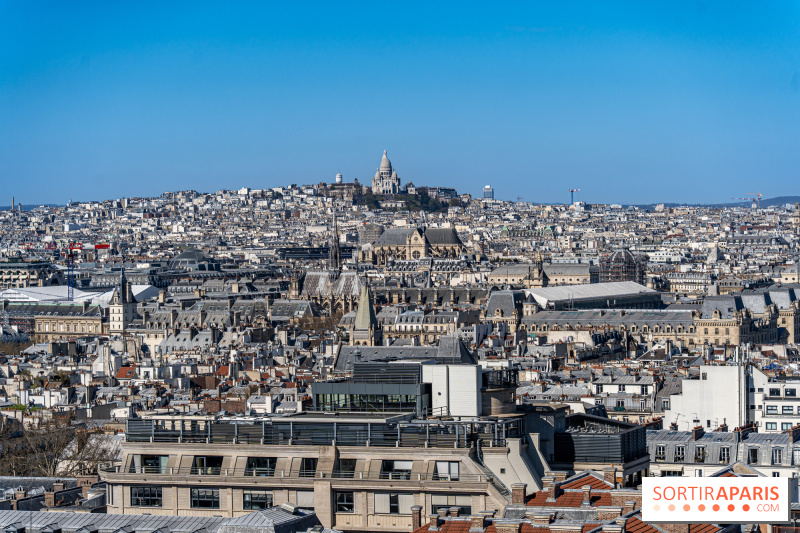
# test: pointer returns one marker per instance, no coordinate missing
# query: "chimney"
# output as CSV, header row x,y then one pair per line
x,y
587,496
794,433
442,512
416,517
476,524
610,476
553,491
541,519
518,491
560,476
629,507
674,528
58,487
433,524
454,511
697,432
49,498
506,527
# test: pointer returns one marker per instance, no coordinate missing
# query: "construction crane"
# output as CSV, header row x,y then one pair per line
x,y
572,195
70,254
757,195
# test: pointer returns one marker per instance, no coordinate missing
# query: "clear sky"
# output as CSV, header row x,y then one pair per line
x,y
639,101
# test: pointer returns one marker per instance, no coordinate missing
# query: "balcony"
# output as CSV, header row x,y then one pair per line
x,y
344,476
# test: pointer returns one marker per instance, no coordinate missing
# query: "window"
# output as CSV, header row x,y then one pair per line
x,y
149,464
146,497
446,470
665,405
393,503
661,453
680,454
700,454
776,474
254,500
790,393
752,456
622,388
724,455
772,409
446,501
796,456
599,389
774,392
308,467
785,426
620,404
305,499
787,409
347,468
344,502
396,469
260,466
205,498
207,465
777,456
771,426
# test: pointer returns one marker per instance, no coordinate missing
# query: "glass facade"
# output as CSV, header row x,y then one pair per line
x,y
371,402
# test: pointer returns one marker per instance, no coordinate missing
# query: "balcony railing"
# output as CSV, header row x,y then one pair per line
x,y
336,474
435,434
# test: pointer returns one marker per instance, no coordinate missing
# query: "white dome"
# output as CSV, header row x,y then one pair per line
x,y
385,163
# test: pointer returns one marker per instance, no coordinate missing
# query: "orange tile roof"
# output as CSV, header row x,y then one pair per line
x,y
588,479
125,372
569,499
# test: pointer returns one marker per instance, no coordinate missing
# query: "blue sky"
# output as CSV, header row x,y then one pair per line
x,y
628,101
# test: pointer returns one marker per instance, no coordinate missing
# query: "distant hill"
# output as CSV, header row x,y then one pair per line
x,y
765,202
27,207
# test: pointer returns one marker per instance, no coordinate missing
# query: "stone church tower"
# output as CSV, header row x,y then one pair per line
x,y
122,308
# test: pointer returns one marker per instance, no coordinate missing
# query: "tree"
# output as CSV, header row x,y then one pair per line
x,y
53,448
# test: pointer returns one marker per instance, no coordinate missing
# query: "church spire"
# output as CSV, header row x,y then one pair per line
x,y
335,252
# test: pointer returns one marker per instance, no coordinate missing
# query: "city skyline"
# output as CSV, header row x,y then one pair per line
x,y
108,100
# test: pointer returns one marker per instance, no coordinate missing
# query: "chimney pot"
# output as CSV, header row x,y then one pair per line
x,y
476,523
416,517
630,506
587,495
518,493
610,476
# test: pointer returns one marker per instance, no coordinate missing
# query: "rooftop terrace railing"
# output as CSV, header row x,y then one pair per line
x,y
415,433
